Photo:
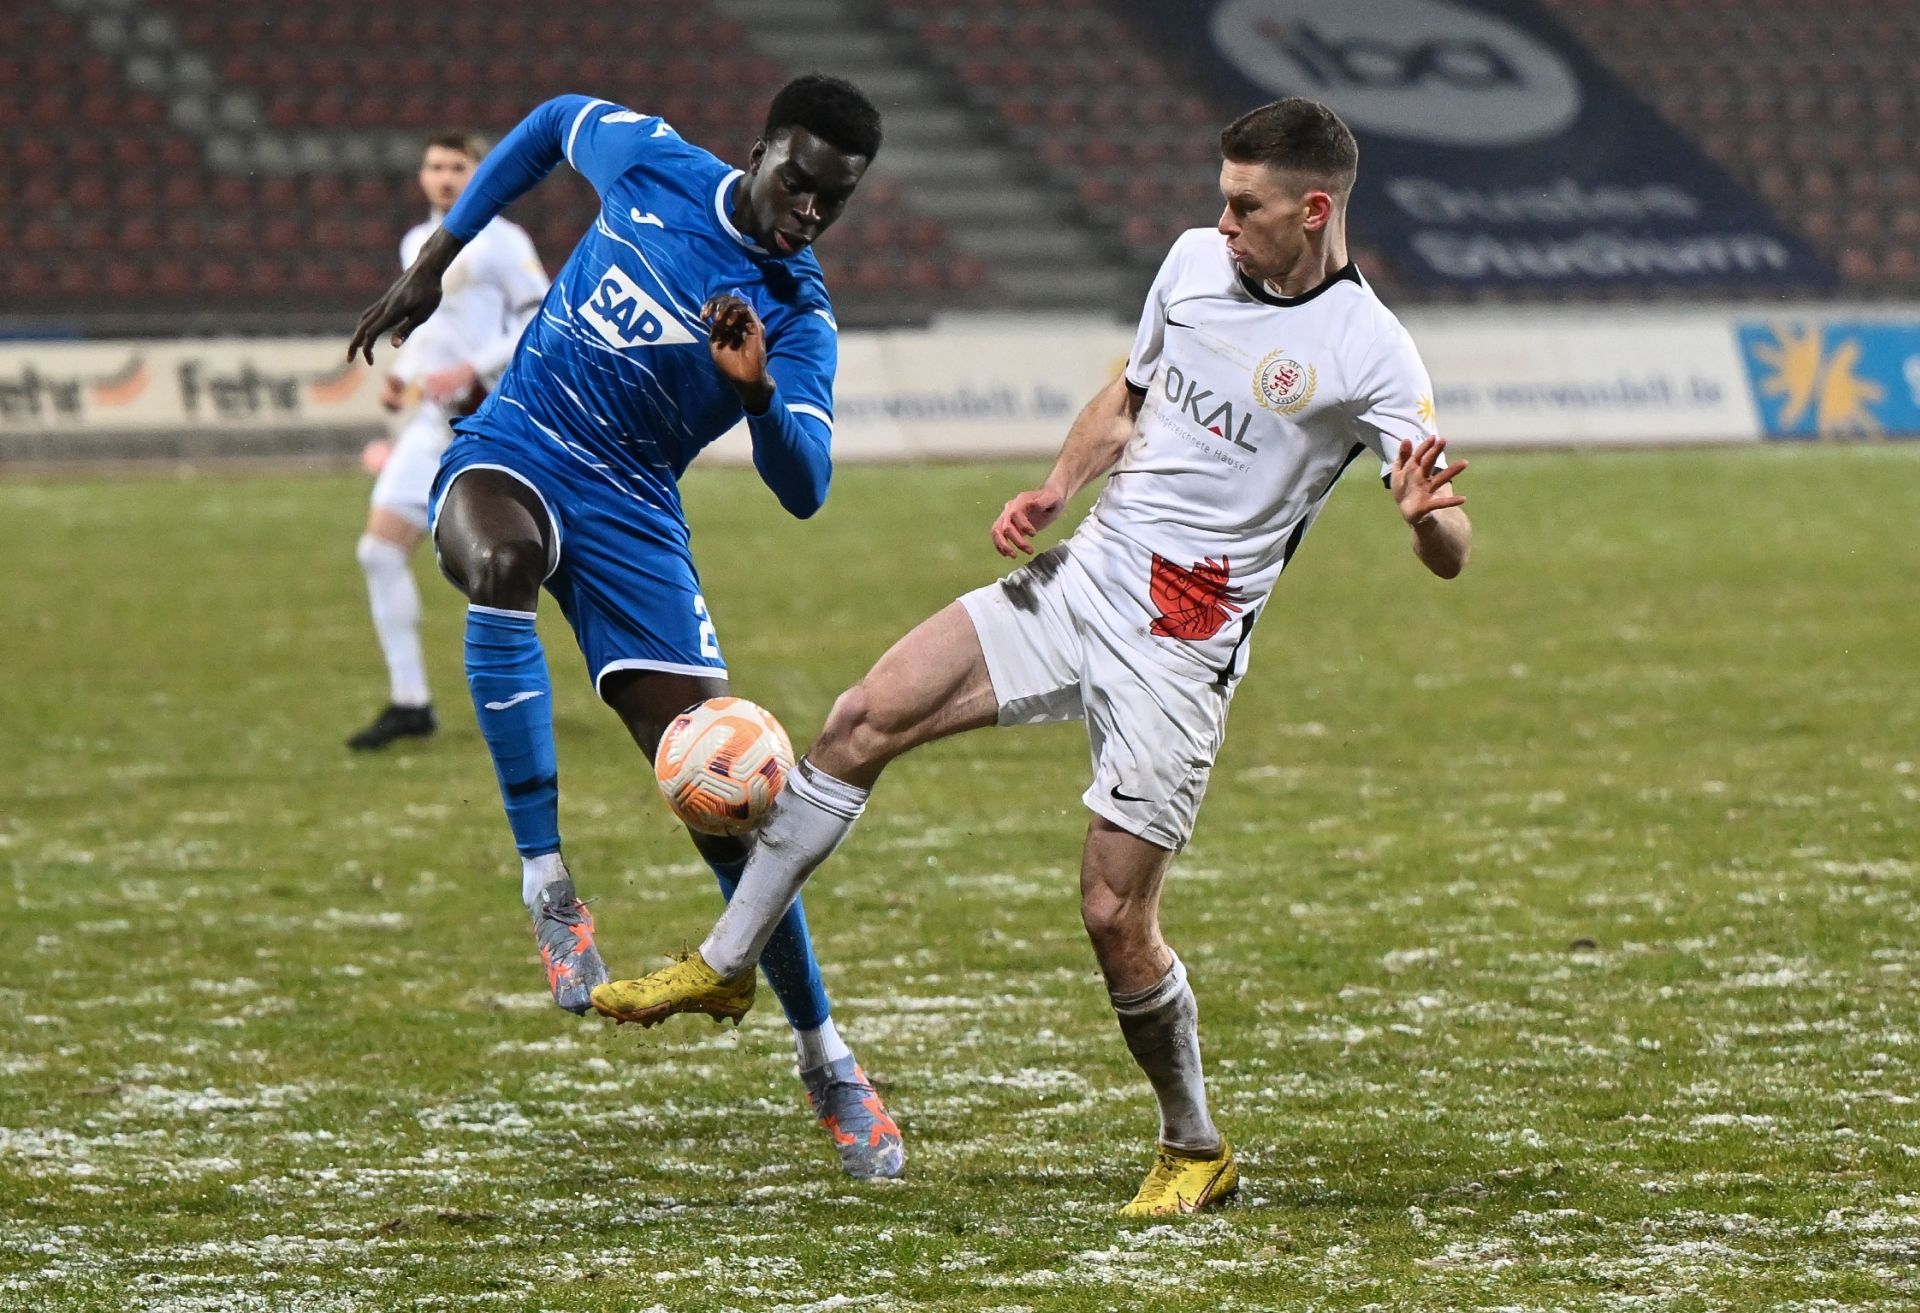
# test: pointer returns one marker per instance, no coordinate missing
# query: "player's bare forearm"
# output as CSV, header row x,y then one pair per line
x,y
1094,442
1423,488
412,299
1443,540
1098,435
438,251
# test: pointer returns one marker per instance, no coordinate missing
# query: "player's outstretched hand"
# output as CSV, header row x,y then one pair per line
x,y
1421,479
737,341
1022,518
409,303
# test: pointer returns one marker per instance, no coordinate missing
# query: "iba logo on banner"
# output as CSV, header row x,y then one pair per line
x,y
1418,69
1494,148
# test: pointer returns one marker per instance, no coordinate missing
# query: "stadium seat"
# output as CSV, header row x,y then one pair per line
x,y
1793,102
1759,82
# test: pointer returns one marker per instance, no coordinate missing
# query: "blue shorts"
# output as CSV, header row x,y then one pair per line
x,y
619,567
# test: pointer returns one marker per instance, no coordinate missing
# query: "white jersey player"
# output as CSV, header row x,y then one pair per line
x,y
1263,366
443,370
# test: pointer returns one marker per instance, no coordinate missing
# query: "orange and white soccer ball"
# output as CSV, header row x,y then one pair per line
x,y
721,765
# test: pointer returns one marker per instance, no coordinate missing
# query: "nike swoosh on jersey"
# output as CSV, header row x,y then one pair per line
x,y
515,700
1177,324
1125,797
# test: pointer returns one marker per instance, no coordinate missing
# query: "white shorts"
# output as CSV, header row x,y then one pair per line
x,y
1058,649
404,481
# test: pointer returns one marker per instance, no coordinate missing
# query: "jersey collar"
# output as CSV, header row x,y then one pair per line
x,y
724,212
1346,273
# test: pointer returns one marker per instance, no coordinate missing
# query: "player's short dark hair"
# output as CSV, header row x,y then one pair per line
x,y
470,144
1298,136
832,109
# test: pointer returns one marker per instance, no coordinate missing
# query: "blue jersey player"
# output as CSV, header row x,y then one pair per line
x,y
692,302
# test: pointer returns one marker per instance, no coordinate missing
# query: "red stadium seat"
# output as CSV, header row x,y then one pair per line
x,y
124,278
26,281
1798,103
137,232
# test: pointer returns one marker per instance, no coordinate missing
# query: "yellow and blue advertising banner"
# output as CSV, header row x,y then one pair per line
x,y
1834,378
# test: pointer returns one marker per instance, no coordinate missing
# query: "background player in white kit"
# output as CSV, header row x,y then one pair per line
x,y
442,371
1263,366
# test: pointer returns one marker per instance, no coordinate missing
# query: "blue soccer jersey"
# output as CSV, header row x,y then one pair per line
x,y
615,370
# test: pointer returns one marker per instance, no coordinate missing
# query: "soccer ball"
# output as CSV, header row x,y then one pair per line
x,y
721,765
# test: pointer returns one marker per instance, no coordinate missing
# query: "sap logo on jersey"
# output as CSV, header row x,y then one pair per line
x,y
1426,70
627,317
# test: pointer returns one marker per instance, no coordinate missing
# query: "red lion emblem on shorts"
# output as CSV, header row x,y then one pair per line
x,y
1193,604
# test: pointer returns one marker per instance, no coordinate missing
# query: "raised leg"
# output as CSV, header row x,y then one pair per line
x,y
931,684
842,1098
646,702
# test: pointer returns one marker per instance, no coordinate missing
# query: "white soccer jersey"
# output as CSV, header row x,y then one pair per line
x,y
1255,404
490,291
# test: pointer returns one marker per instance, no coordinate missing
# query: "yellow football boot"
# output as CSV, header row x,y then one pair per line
x,y
1180,1184
689,985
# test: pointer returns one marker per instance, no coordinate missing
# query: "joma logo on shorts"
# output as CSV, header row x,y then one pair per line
x,y
1220,420
627,317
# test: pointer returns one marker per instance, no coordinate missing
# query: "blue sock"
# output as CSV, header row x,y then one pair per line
x,y
789,963
513,699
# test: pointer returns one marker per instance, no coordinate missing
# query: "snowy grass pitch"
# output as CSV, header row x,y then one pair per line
x,y
1555,930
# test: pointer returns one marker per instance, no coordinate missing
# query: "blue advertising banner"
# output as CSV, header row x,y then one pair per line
x,y
1835,378
1494,149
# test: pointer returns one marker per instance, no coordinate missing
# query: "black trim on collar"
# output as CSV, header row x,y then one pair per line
x,y
1346,273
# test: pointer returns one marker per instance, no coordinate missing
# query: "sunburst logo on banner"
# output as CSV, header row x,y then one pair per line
x,y
1808,378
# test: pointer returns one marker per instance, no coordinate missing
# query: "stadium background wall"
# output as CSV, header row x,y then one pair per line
x,y
1504,378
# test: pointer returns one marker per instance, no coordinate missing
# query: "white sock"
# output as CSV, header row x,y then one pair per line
x,y
536,873
819,1046
394,599
1162,1026
812,816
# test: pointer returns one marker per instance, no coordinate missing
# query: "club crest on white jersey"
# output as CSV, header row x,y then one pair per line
x,y
625,316
1284,385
